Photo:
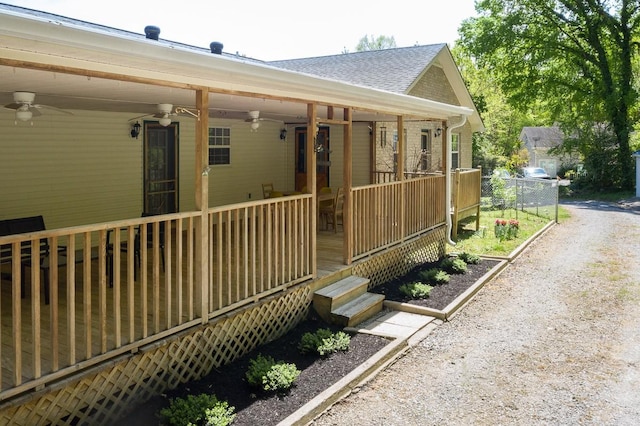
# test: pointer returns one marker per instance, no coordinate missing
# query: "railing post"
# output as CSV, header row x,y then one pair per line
x,y
201,298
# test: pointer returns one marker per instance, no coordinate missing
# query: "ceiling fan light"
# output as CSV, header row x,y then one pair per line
x,y
255,125
165,121
23,115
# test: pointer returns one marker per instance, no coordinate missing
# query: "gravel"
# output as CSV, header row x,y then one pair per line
x,y
554,339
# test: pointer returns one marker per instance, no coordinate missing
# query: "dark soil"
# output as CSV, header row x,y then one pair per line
x,y
441,295
254,407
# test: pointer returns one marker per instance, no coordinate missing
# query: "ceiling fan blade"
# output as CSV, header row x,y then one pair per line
x,y
141,116
39,106
35,112
13,105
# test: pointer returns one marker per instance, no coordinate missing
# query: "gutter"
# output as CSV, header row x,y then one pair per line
x,y
463,120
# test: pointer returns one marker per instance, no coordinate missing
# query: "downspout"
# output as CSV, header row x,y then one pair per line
x,y
463,120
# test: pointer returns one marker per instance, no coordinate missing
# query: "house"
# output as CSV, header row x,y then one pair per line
x,y
158,258
421,71
538,141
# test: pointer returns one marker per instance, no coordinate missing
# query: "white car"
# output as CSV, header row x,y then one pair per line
x,y
535,172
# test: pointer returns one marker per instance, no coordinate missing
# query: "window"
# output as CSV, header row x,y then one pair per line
x,y
219,145
425,149
455,151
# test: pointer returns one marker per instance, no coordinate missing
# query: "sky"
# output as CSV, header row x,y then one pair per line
x,y
276,29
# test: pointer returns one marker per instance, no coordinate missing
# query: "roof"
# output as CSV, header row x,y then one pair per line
x,y
394,69
54,42
542,137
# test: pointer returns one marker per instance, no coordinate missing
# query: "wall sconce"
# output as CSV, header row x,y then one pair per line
x,y
283,134
438,132
135,130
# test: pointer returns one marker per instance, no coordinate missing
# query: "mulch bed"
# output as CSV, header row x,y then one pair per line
x,y
442,295
254,407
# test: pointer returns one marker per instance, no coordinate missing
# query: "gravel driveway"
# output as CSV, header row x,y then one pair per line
x,y
553,340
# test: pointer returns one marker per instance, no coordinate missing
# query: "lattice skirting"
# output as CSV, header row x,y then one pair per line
x,y
397,261
104,396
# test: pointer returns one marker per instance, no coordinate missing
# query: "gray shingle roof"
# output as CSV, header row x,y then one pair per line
x,y
394,70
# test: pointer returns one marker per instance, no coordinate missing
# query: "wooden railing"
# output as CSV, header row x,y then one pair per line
x,y
386,214
387,177
258,248
118,286
465,196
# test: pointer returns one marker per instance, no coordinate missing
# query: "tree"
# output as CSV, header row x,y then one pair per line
x,y
575,57
499,145
375,43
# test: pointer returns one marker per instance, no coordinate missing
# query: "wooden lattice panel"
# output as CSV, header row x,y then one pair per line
x,y
105,395
398,261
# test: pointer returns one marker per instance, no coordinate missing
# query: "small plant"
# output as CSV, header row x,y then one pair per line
x,y
469,258
506,230
324,342
453,266
200,409
267,374
434,276
416,290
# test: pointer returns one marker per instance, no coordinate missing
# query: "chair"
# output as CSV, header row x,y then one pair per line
x,y
124,246
325,207
267,189
336,211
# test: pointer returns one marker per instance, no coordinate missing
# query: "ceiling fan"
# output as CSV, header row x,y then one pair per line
x,y
166,111
255,119
26,109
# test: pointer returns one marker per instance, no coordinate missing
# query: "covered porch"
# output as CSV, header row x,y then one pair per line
x,y
101,281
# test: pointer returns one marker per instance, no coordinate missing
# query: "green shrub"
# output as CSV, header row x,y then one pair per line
x,y
202,409
416,290
434,276
469,258
324,342
453,266
266,373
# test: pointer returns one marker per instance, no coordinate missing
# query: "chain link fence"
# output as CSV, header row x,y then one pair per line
x,y
534,196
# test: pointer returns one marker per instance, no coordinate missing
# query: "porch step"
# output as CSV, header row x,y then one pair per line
x,y
359,309
347,302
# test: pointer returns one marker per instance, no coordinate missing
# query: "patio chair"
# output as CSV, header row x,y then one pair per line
x,y
267,189
335,213
124,247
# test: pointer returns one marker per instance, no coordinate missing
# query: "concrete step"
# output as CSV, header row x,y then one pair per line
x,y
326,299
357,310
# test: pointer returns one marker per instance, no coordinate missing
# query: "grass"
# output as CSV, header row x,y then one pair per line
x,y
484,243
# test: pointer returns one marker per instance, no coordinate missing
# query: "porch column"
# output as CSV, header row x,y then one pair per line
x,y
312,129
202,204
400,173
347,179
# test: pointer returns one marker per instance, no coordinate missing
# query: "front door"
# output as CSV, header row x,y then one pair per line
x,y
322,158
160,168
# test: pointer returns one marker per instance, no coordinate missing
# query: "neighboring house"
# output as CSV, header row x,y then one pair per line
x,y
538,141
421,71
106,307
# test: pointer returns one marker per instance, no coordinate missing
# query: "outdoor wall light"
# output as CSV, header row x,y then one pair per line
x,y
438,132
135,130
283,134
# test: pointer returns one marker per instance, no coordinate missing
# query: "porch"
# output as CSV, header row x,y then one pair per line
x,y
112,304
